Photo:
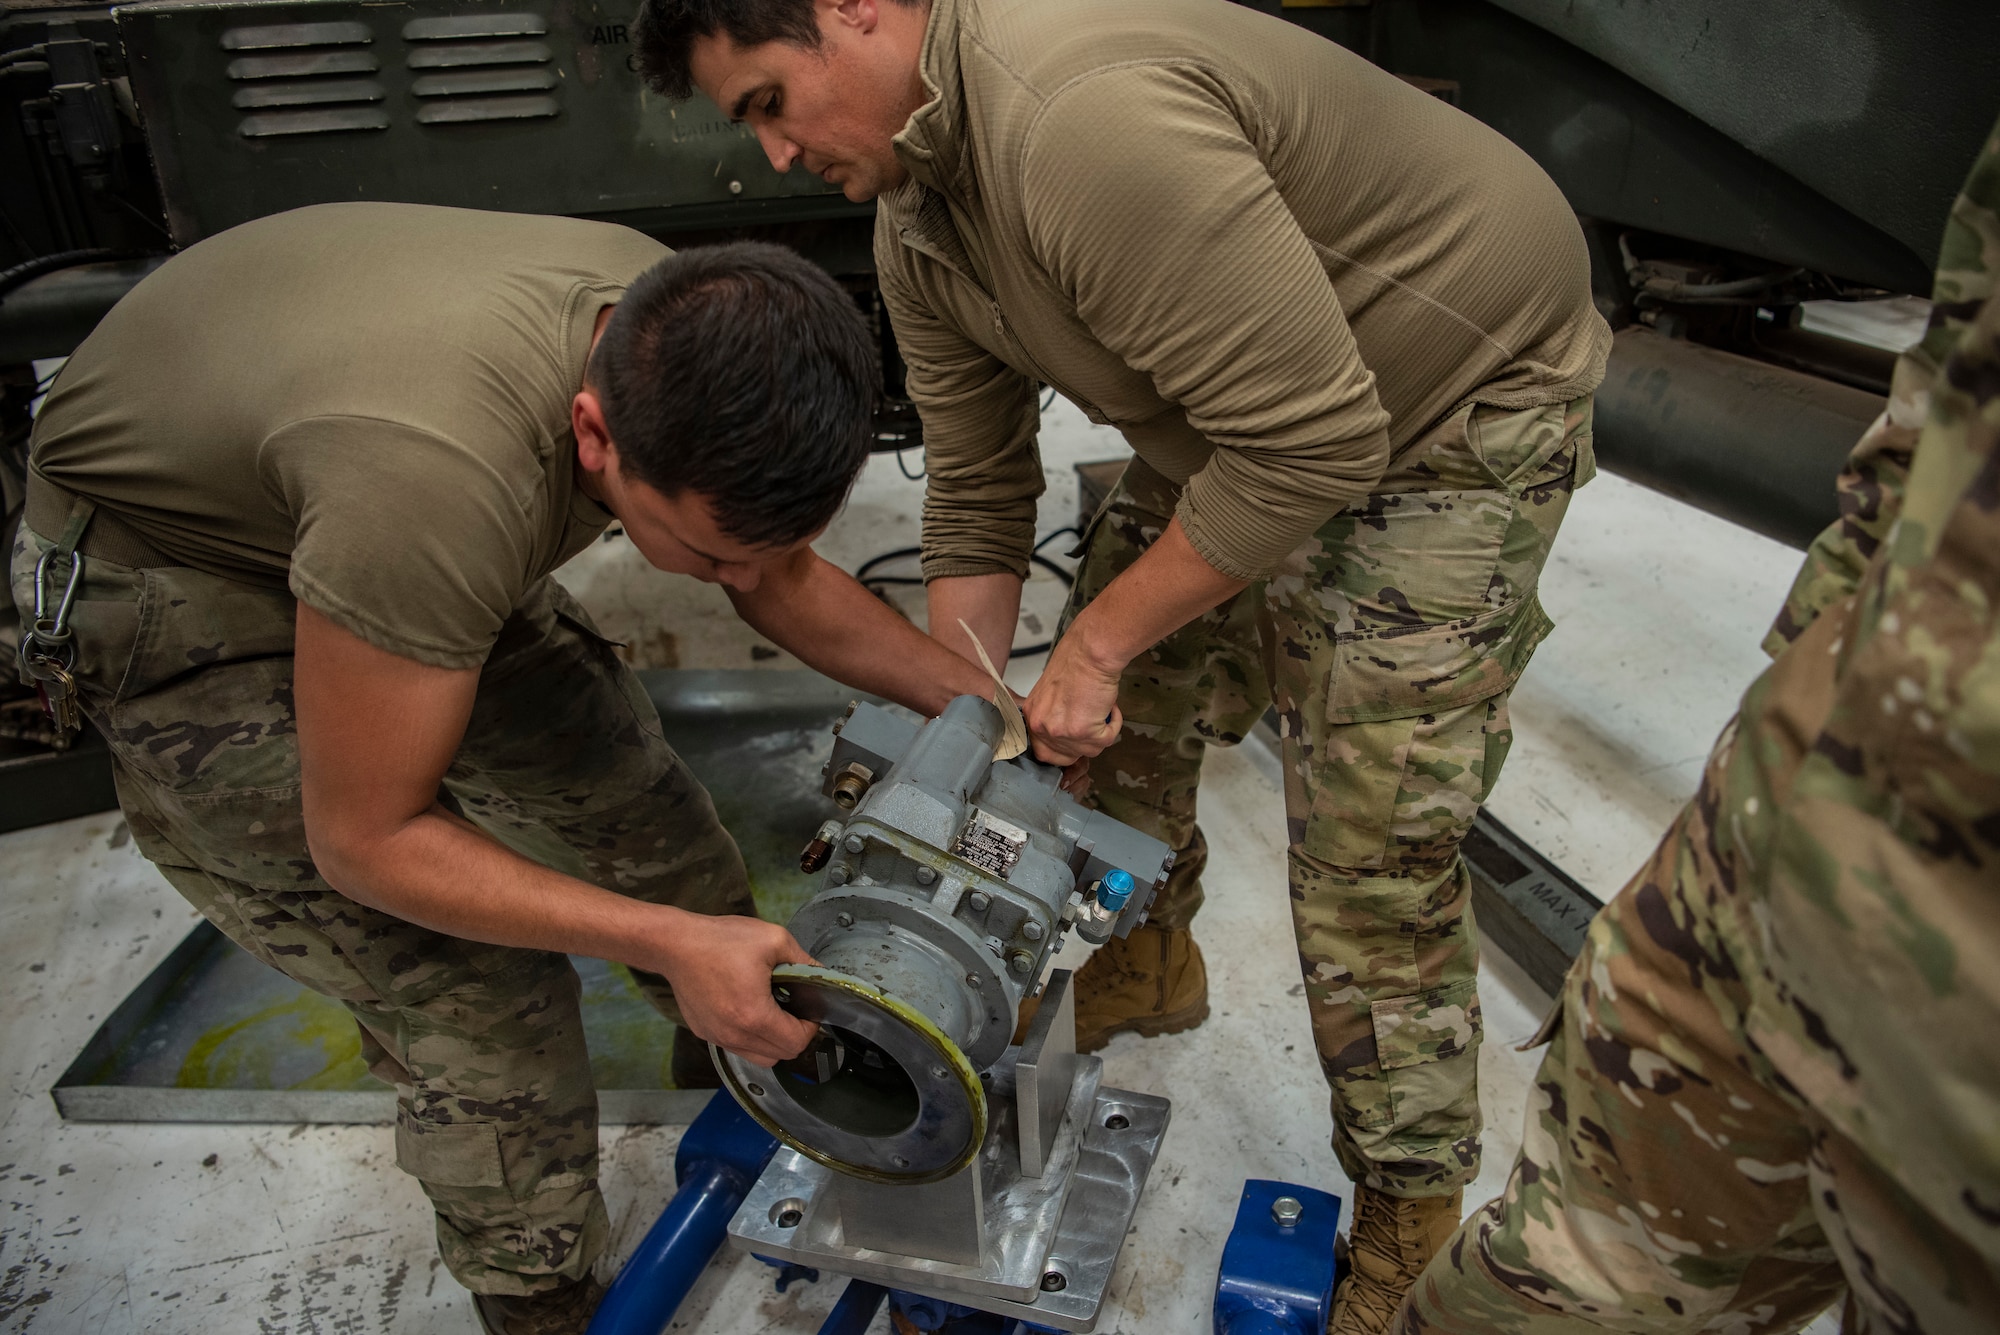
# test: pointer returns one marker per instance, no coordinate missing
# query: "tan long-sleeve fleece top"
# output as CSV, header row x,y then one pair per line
x,y
1267,262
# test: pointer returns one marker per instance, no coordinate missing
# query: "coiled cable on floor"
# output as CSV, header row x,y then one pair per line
x,y
875,583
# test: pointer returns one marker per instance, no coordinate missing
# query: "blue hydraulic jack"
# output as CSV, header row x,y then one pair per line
x,y
1276,1276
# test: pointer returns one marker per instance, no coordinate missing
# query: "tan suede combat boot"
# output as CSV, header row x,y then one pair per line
x,y
1151,983
563,1311
1391,1243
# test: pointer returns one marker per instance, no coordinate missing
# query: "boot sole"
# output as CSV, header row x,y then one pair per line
x,y
1151,1026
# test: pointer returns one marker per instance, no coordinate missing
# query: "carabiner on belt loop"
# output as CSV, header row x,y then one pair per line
x,y
53,632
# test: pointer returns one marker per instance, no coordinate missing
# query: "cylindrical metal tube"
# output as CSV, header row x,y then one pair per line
x,y
1757,444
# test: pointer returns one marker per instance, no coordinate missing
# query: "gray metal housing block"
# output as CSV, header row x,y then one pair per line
x,y
949,884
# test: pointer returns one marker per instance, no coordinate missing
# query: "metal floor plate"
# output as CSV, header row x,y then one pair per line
x,y
212,1035
1120,1138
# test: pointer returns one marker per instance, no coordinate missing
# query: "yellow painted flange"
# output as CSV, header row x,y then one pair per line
x,y
955,1061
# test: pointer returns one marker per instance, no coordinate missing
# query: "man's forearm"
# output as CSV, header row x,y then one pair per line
x,y
821,615
1073,710
1167,587
444,873
420,872
990,604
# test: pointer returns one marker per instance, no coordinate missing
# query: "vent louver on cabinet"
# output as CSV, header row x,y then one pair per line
x,y
301,78
481,67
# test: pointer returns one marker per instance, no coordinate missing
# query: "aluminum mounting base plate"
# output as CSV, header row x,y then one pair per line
x,y
1071,1222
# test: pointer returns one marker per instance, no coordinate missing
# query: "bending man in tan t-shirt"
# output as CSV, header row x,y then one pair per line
x,y
316,625
1348,333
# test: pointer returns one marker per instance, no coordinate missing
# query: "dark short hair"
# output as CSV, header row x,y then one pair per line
x,y
665,32
745,374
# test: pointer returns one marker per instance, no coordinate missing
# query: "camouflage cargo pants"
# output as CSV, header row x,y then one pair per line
x,y
1775,1071
189,677
1676,1172
1388,645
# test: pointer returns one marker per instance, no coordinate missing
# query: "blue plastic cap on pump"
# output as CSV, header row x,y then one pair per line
x,y
1114,889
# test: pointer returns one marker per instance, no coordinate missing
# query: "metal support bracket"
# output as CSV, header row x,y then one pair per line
x,y
1045,1072
1048,1243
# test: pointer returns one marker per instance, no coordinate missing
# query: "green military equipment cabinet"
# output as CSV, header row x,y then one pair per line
x,y
525,105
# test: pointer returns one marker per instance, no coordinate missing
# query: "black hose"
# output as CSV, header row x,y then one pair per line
x,y
861,575
29,270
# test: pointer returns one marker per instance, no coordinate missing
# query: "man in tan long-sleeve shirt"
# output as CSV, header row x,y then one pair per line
x,y
1348,333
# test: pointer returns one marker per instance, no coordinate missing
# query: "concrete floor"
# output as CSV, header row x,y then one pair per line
x,y
291,1230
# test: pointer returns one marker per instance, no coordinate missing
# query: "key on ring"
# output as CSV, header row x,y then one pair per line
x,y
59,695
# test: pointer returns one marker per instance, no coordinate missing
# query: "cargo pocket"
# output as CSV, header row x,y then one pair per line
x,y
1529,448
1428,1027
1586,460
1397,672
1417,1040
205,704
1360,778
452,1154
1381,688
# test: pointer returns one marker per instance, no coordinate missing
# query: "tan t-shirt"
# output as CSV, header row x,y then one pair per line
x,y
368,403
1270,264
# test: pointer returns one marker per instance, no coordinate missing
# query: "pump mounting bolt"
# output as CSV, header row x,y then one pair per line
x,y
1021,961
1032,930
844,919
926,875
854,844
1286,1211
978,901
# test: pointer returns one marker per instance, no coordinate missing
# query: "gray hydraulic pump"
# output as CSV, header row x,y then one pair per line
x,y
947,890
